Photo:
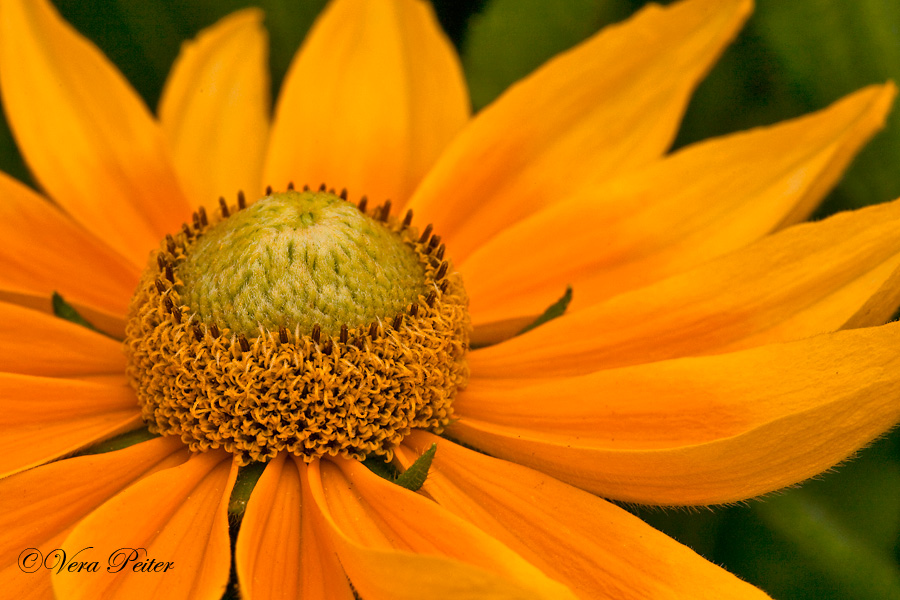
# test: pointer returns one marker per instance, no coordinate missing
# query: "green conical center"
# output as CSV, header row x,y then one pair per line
x,y
299,259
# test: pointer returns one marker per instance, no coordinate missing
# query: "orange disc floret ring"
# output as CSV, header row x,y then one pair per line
x,y
301,323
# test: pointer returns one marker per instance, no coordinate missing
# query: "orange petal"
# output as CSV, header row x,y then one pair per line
x,y
279,552
35,343
373,97
697,430
610,105
84,132
177,518
39,507
43,418
703,202
394,543
596,548
802,281
214,108
44,252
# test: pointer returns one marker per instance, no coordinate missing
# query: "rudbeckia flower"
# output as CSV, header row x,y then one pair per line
x,y
713,348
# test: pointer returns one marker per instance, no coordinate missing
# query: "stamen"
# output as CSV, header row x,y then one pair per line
x,y
160,286
242,200
198,335
322,187
223,206
426,234
187,231
283,334
290,186
444,285
435,240
414,310
398,321
170,243
328,347
161,262
170,273
440,252
407,220
268,190
245,345
373,330
363,202
214,331
432,296
442,270
344,194
345,333
385,211
316,333
203,219
306,187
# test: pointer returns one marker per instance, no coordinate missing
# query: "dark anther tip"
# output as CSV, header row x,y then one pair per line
x,y
322,187
344,194
398,321
204,220
170,273
442,270
426,234
363,203
414,310
290,186
160,286
268,190
345,334
214,330
407,220
373,330
198,335
223,206
245,345
242,200
432,296
316,333
283,334
385,211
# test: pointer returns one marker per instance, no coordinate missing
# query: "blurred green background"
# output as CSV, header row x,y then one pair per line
x,y
833,538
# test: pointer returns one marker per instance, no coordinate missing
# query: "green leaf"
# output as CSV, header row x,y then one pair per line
x,y
510,38
64,310
414,477
557,309
385,470
243,487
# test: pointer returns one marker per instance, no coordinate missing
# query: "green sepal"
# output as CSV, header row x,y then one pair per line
x,y
414,477
120,442
557,309
246,480
64,310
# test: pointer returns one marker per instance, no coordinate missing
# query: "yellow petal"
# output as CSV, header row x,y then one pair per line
x,y
43,418
35,343
214,108
394,543
177,516
86,135
703,202
596,548
697,430
39,507
802,281
44,251
373,97
610,105
279,552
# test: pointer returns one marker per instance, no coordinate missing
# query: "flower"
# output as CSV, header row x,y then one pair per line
x,y
713,349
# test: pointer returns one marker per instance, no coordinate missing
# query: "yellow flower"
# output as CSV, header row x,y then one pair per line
x,y
714,350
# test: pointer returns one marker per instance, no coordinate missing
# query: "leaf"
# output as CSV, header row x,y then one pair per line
x,y
119,442
414,477
510,38
557,309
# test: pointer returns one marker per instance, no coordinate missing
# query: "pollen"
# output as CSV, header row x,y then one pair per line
x,y
301,323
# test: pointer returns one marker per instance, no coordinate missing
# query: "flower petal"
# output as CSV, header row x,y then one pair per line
x,y
373,97
704,201
279,552
179,516
86,135
44,251
802,281
697,430
610,105
394,543
214,108
35,343
39,507
596,548
43,418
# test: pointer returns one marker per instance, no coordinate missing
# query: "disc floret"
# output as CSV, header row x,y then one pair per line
x,y
278,330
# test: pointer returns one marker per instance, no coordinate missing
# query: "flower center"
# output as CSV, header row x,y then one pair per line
x,y
301,324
